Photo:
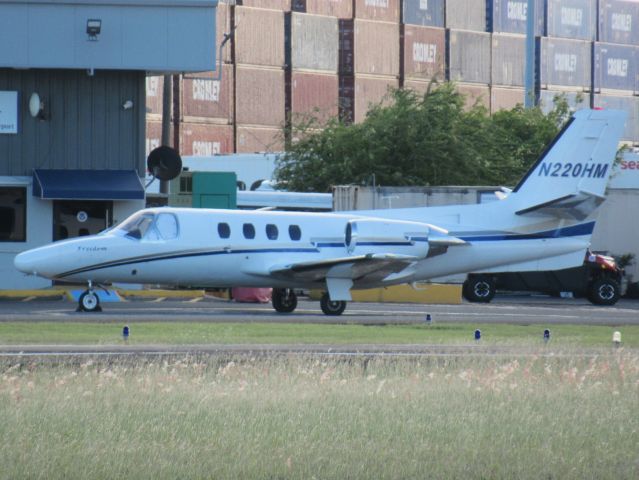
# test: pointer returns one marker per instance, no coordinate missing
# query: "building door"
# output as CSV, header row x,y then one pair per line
x,y
77,218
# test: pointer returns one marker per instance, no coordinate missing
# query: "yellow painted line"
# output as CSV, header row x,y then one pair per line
x,y
49,292
161,293
161,299
28,299
429,293
195,300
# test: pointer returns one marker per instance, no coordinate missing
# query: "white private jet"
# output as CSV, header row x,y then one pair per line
x,y
544,223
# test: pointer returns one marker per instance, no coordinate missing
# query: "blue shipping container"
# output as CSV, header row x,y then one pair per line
x,y
628,104
615,67
510,16
618,22
572,19
576,101
428,13
564,63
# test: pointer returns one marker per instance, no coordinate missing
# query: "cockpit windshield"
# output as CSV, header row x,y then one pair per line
x,y
149,226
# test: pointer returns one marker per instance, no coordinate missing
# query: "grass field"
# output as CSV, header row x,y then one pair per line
x,y
185,333
304,418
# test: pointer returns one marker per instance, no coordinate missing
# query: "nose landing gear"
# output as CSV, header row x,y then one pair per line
x,y
89,301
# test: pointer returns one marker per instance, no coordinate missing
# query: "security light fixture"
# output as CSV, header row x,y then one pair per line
x,y
94,25
127,105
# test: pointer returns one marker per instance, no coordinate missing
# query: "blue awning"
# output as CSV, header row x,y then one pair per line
x,y
87,185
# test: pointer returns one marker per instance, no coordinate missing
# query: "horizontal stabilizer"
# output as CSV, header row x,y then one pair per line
x,y
577,206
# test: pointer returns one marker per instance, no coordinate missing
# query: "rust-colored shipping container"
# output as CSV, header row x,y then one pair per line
x,y
223,25
380,10
475,93
315,94
260,96
281,5
153,135
346,47
370,90
331,8
314,42
419,86
259,38
505,98
424,52
376,48
472,93
154,94
255,139
203,96
205,139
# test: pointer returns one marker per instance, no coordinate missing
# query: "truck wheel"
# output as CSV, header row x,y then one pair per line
x,y
479,289
604,291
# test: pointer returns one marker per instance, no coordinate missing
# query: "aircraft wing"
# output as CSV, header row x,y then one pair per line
x,y
370,267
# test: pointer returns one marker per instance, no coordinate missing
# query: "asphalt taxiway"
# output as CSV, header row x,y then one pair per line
x,y
516,309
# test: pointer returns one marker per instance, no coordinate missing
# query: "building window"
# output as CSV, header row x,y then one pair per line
x,y
271,232
249,230
294,232
13,214
186,184
223,230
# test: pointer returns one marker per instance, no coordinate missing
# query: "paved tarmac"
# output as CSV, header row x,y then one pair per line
x,y
511,309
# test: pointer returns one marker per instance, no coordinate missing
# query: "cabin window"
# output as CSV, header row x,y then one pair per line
x,y
271,232
223,230
13,214
294,232
249,230
136,226
167,226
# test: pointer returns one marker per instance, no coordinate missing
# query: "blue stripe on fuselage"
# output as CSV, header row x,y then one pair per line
x,y
572,231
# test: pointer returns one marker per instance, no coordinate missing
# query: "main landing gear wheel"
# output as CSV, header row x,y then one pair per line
x,y
89,302
284,300
332,308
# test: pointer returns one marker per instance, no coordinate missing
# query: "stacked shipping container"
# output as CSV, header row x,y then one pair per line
x,y
313,55
423,44
564,59
615,56
375,53
312,81
259,75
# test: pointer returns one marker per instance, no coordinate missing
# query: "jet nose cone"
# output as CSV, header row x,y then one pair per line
x,y
26,262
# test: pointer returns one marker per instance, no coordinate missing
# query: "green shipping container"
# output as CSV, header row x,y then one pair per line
x,y
204,190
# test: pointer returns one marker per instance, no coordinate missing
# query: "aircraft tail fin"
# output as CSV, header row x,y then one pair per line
x,y
571,175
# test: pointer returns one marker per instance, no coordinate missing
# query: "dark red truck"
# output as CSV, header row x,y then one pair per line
x,y
598,279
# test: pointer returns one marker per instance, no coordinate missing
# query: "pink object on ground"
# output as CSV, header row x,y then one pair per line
x,y
252,295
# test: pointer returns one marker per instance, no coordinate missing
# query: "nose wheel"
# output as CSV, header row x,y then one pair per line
x,y
89,301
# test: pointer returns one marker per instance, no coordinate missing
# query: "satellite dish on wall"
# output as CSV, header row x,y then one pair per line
x,y
36,106
164,163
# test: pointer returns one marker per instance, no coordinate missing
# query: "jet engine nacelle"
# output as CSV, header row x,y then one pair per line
x,y
387,236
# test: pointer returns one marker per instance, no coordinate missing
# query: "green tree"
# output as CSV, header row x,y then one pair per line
x,y
413,139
